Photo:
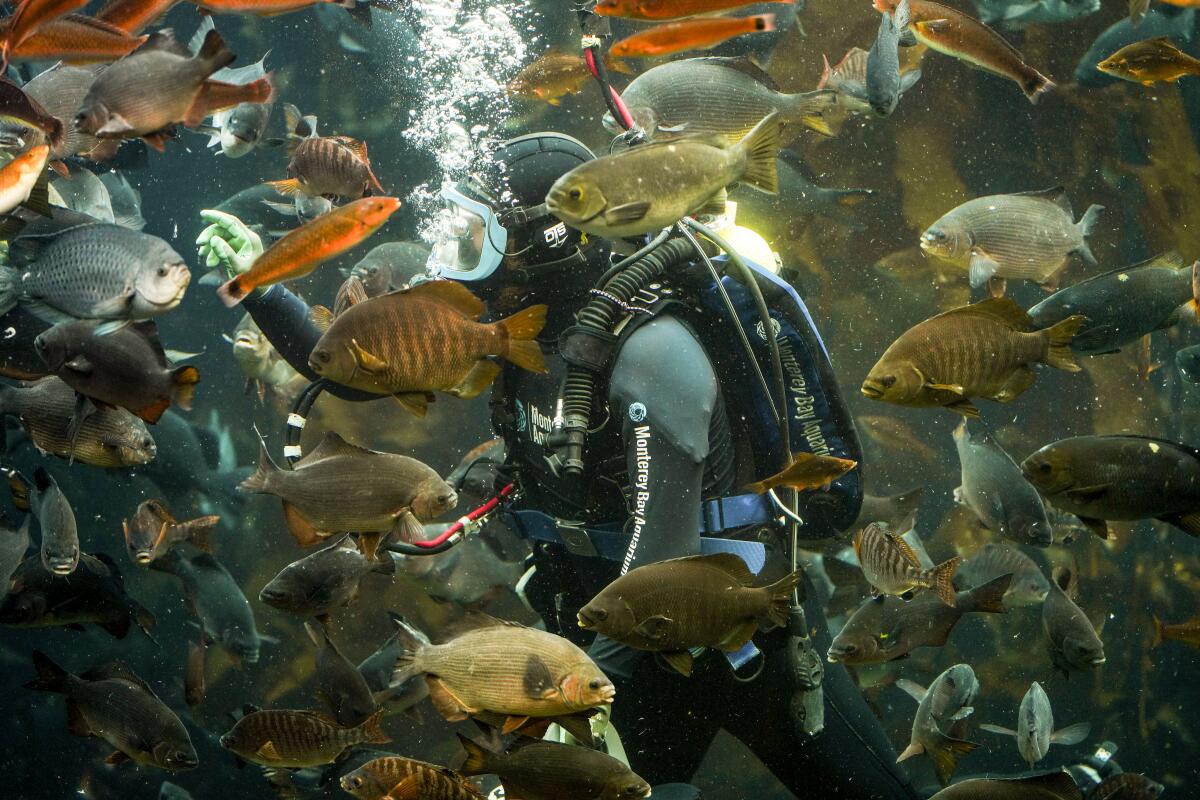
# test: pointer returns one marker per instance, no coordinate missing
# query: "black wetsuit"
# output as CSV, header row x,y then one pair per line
x,y
668,430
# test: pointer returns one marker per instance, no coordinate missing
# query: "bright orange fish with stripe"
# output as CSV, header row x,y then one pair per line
x,y
692,34
31,15
76,39
270,8
669,9
304,249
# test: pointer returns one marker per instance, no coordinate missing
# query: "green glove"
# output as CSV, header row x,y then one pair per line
x,y
227,245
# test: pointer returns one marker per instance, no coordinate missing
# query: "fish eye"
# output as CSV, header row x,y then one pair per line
x,y
599,614
355,782
162,271
595,684
322,356
443,499
147,443
576,193
888,382
1044,468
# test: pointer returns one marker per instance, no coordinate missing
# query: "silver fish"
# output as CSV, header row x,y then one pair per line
x,y
1029,585
1035,727
942,713
994,488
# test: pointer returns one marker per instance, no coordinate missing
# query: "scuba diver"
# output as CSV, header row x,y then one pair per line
x,y
659,401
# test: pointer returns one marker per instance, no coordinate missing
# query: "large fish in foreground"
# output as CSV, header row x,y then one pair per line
x,y
341,487
676,605
996,491
941,718
297,739
60,90
981,350
112,703
1035,727
1072,640
413,342
892,567
1051,786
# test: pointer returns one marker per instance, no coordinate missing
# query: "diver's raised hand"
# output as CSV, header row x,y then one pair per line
x,y
227,244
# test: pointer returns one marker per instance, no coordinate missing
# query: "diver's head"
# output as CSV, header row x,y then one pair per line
x,y
496,229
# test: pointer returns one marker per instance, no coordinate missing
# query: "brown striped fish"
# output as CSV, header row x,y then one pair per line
x,y
298,739
503,668
324,166
981,350
407,779
413,342
891,565
955,34
1030,235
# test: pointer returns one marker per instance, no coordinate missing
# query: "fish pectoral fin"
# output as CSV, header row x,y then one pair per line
x,y
1188,523
158,140
913,749
416,403
76,722
964,407
653,628
116,125
477,380
445,701
680,661
932,25
268,751
1088,494
407,526
1016,385
947,387
998,729
629,212
982,268
303,531
1072,734
512,723
117,757
367,361
84,408
962,713
738,637
1097,526
80,364
913,689
715,205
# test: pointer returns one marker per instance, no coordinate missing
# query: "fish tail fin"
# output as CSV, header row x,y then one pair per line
x,y
479,760
941,580
945,755
1087,223
1036,86
50,676
232,292
261,479
412,642
522,329
184,380
198,531
1158,631
1058,343
811,107
288,187
760,147
779,598
372,729
214,52
988,598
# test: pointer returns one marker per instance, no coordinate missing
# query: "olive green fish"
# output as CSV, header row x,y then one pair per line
x,y
1030,236
1150,62
1072,640
649,187
891,565
981,350
407,779
298,739
542,770
696,601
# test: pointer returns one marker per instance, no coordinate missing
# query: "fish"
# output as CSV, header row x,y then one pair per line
x,y
196,463
1120,477
699,601
412,342
216,601
1149,62
1124,305
668,9
1029,235
390,266
255,206
377,670
342,487
503,668
76,39
1050,786
946,703
1178,24
894,434
14,543
649,187
126,201
107,437
60,91
1126,786
49,505
27,17
134,15
883,61
21,177
168,790
470,574
127,369
1035,727
544,770
87,194
340,686
19,107
689,34
1017,15
324,581
716,97
296,739
265,8
302,250
152,532
1029,585
193,675
1187,360
1186,632
1137,10
111,703
1071,638
892,568
324,166
91,270
406,779
556,74
994,488
266,371
981,350
95,594
960,36
892,509
889,628
237,130
147,93
848,78
801,197
807,471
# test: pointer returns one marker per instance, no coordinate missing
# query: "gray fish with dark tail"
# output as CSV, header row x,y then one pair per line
x,y
56,518
1035,727
996,491
883,61
377,670
323,581
1029,585
1072,639
217,602
942,711
112,703
340,686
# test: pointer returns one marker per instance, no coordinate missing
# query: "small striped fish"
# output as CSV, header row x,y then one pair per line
x,y
891,566
297,739
407,779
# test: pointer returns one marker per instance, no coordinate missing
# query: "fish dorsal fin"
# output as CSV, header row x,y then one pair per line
x,y
333,446
742,64
360,150
1004,309
1066,580
165,40
904,547
351,293
1056,195
116,670
729,563
450,293
321,317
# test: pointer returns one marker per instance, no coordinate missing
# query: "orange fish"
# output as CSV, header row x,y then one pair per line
x,y
953,33
302,250
19,176
268,8
75,39
668,9
31,15
692,34
133,15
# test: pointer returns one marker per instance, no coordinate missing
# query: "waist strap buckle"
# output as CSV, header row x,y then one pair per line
x,y
576,539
